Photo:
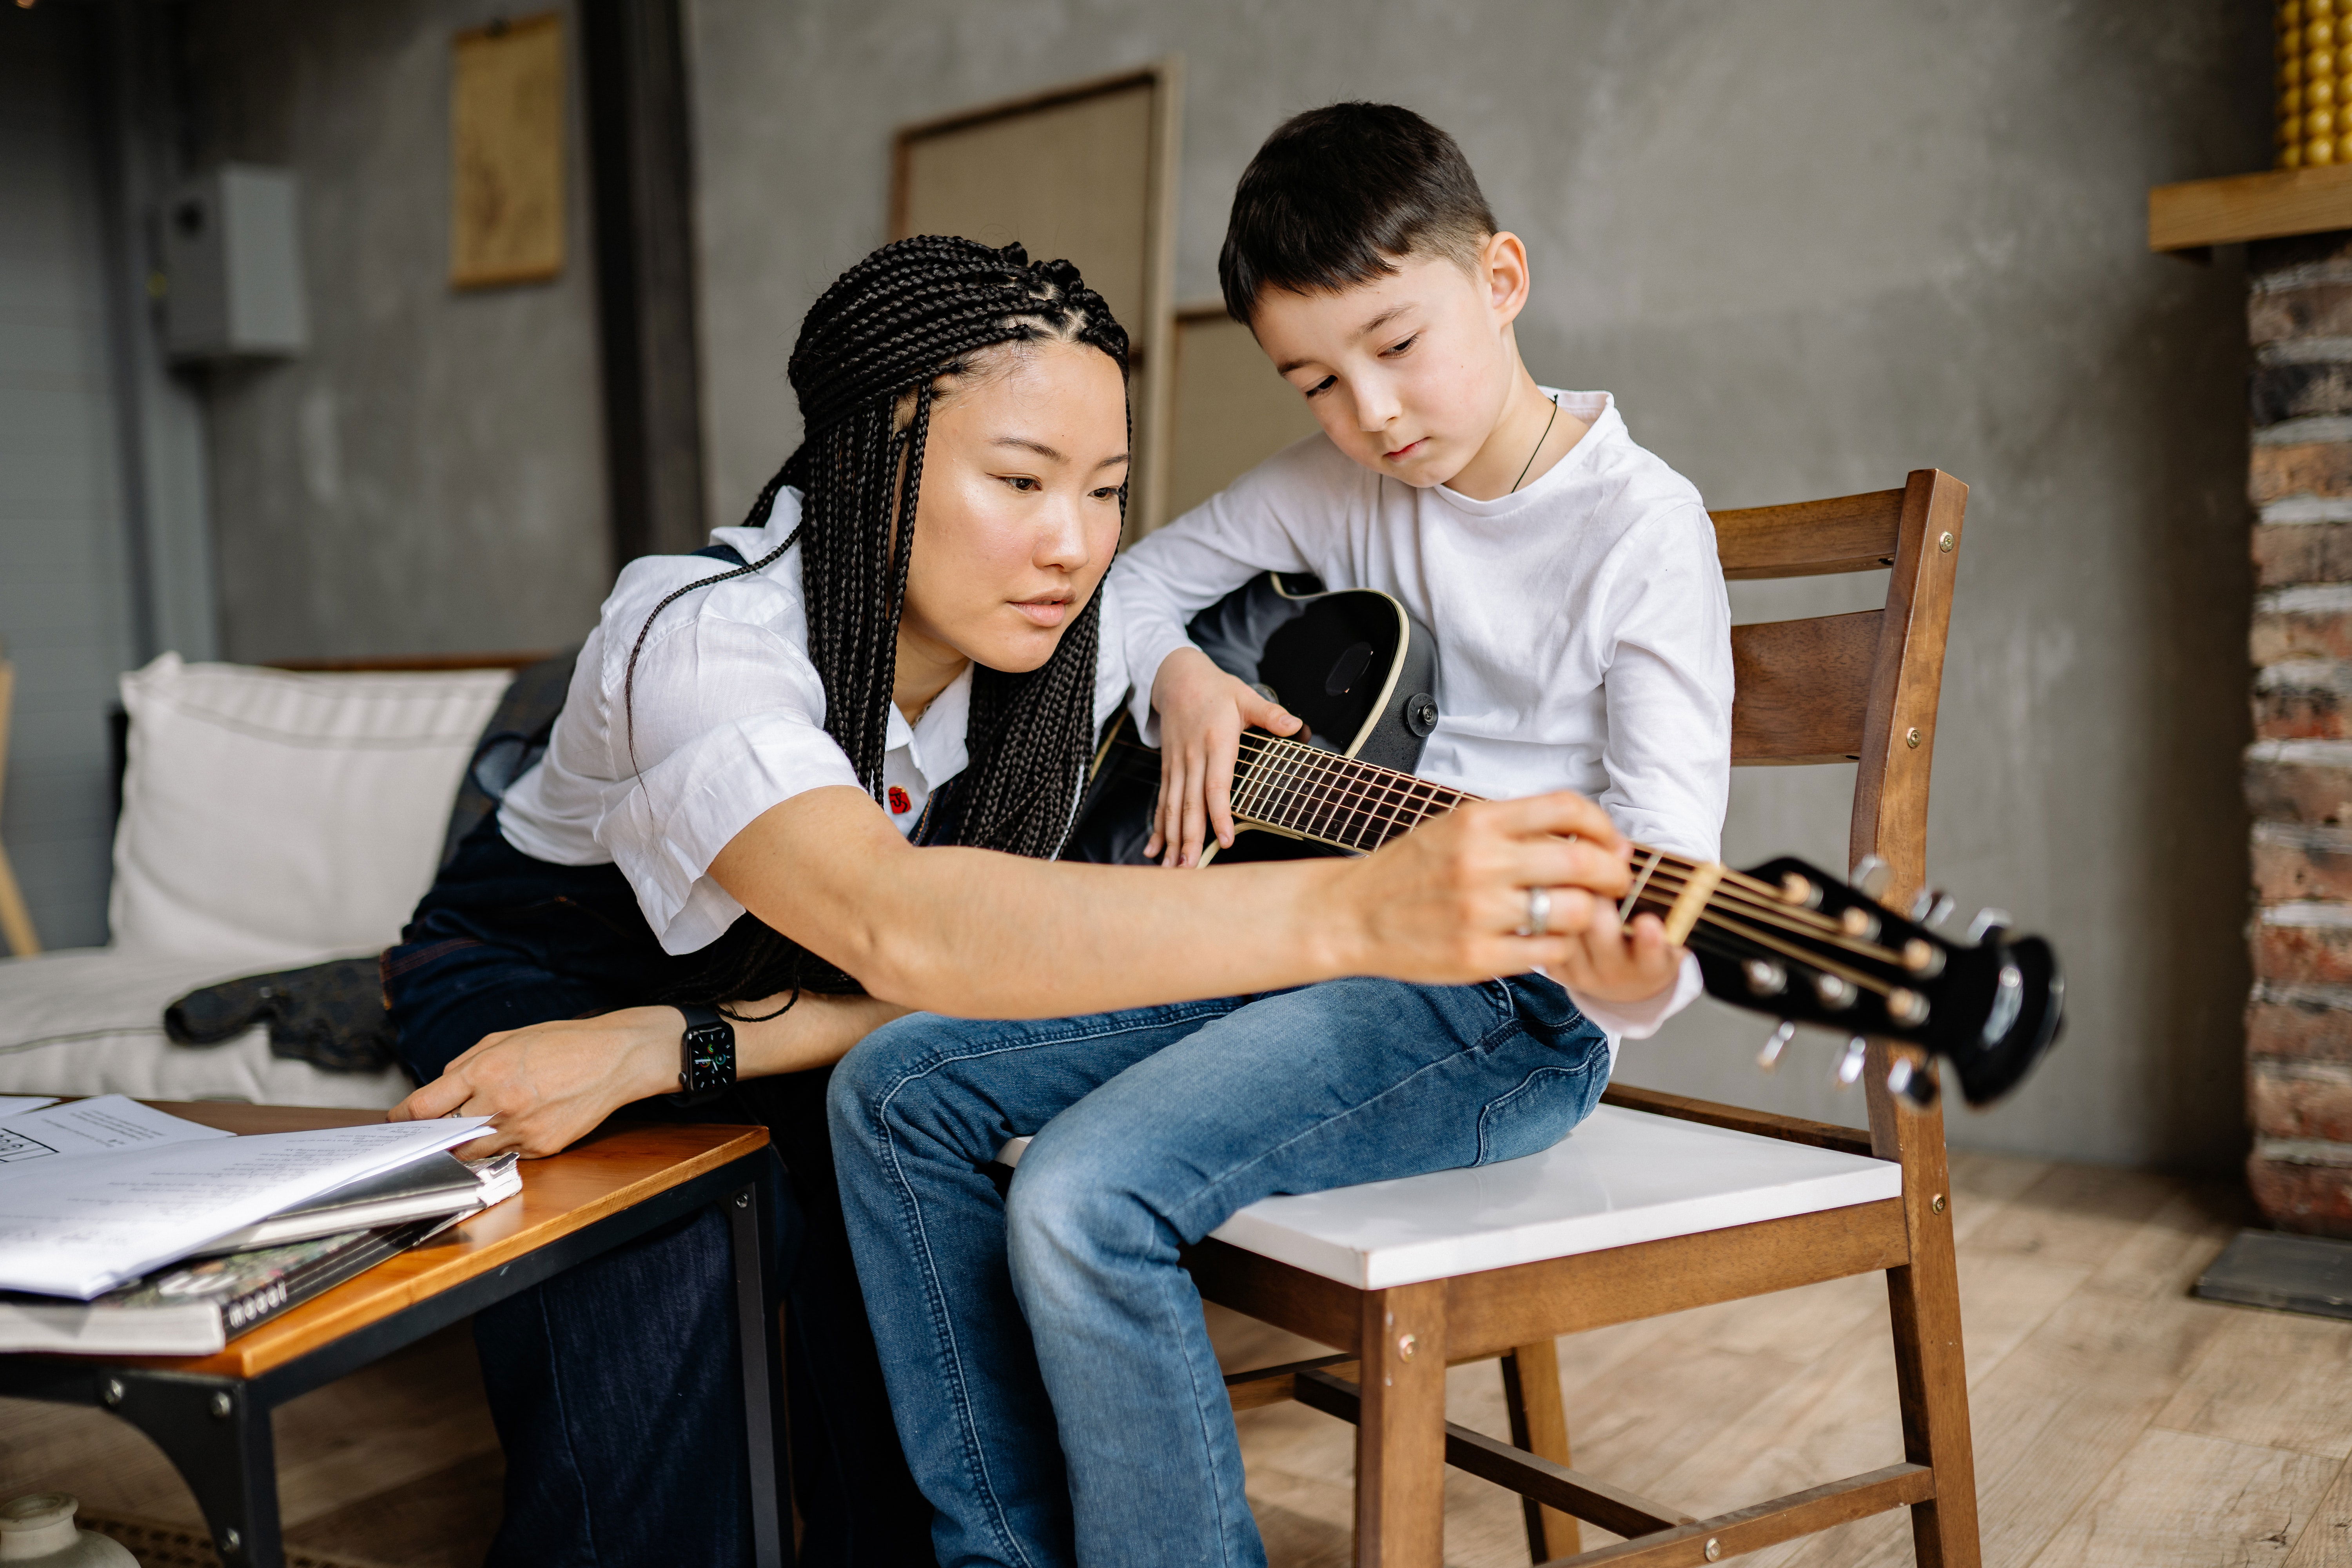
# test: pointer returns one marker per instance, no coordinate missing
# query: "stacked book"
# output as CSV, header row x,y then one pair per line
x,y
125,1230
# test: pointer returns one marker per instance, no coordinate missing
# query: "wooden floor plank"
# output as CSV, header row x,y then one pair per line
x,y
1983,1184
2177,1497
2328,1540
444,1520
2077,1213
2060,1411
2275,1379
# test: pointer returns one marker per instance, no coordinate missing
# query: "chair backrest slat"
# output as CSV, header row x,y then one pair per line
x,y
1811,538
1803,689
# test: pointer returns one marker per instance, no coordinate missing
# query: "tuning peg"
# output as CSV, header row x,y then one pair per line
x,y
1849,1067
1988,920
1912,1082
1870,876
1765,976
1769,1056
1927,901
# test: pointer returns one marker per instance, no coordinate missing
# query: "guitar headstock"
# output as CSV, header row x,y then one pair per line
x,y
1808,948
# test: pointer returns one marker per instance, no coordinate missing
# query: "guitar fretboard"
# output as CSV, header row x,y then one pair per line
x,y
1329,798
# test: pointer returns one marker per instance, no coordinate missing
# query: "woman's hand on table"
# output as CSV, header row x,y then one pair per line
x,y
548,1085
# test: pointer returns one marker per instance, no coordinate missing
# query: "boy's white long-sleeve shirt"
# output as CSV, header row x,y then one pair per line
x,y
1583,631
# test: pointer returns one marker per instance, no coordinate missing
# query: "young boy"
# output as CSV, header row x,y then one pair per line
x,y
1049,1370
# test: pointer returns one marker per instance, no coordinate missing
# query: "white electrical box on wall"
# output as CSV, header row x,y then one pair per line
x,y
234,267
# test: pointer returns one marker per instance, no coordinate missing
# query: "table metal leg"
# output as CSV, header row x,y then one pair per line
x,y
755,1329
218,1439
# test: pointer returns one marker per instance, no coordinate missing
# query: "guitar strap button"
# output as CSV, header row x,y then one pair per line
x,y
1421,713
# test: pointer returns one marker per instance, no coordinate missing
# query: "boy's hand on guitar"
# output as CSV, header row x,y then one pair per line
x,y
1614,962
1448,903
1203,712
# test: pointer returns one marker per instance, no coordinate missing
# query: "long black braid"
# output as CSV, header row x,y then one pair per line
x,y
871,354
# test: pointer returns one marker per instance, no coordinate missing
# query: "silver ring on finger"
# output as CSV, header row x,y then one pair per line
x,y
1539,919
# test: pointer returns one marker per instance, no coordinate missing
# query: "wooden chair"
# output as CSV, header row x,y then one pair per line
x,y
1407,1278
16,920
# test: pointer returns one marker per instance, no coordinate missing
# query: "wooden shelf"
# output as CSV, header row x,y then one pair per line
x,y
2271,206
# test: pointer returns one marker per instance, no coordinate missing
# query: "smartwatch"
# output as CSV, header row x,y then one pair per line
x,y
706,1056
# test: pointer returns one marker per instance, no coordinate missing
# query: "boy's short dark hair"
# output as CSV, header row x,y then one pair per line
x,y
1337,194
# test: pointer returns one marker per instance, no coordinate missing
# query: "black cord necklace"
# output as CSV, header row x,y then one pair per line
x,y
1539,441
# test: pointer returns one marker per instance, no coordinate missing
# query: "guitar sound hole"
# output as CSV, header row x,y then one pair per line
x,y
1348,669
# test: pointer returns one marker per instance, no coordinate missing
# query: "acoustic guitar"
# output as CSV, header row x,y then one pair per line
x,y
1783,938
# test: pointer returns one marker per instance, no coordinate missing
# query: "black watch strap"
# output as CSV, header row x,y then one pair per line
x,y
706,1056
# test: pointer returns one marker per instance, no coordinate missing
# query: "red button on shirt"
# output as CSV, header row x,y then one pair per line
x,y
899,805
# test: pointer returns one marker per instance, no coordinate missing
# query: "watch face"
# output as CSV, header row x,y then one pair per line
x,y
710,1057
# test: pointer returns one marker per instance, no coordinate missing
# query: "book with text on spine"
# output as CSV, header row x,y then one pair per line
x,y
197,1307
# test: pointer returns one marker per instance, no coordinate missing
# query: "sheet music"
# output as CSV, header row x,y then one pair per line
x,y
76,1225
101,1124
15,1104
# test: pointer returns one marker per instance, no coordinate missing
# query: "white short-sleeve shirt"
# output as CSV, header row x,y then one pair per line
x,y
728,720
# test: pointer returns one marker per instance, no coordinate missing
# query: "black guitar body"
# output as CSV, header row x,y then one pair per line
x,y
1353,664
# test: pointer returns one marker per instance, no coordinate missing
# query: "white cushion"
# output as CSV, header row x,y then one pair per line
x,y
90,1021
267,816
1622,1176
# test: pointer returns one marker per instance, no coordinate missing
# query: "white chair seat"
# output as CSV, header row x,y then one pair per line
x,y
1621,1177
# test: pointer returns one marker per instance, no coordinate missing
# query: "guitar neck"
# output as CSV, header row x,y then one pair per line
x,y
1295,788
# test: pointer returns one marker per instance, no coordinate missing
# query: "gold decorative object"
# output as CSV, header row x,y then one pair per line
x,y
2314,83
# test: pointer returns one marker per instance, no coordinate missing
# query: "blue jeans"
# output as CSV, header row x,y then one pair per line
x,y
1048,1366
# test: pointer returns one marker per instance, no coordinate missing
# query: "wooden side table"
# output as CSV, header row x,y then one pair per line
x,y
210,1415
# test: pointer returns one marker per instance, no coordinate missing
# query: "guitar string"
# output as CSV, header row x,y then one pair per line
x,y
1763,895
1288,754
1317,797
1379,799
1373,797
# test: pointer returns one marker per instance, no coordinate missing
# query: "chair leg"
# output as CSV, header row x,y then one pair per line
x,y
1400,1438
1930,1370
1540,1426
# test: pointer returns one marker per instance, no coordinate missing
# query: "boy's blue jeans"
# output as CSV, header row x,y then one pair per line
x,y
1048,1367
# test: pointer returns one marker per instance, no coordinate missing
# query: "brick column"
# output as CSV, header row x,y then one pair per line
x,y
2299,769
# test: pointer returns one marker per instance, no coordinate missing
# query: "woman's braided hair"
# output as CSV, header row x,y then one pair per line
x,y
888,331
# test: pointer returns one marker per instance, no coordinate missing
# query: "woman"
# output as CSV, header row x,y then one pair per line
x,y
834,777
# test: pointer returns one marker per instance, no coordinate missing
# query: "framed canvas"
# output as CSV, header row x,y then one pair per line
x,y
1228,411
506,153
1085,171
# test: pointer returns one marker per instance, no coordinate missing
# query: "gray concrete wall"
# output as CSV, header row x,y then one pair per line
x,y
428,476
65,595
1811,245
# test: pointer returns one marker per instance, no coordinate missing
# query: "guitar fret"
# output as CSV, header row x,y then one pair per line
x,y
1396,803
1338,810
1325,800
1249,785
1363,821
1365,787
1293,779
